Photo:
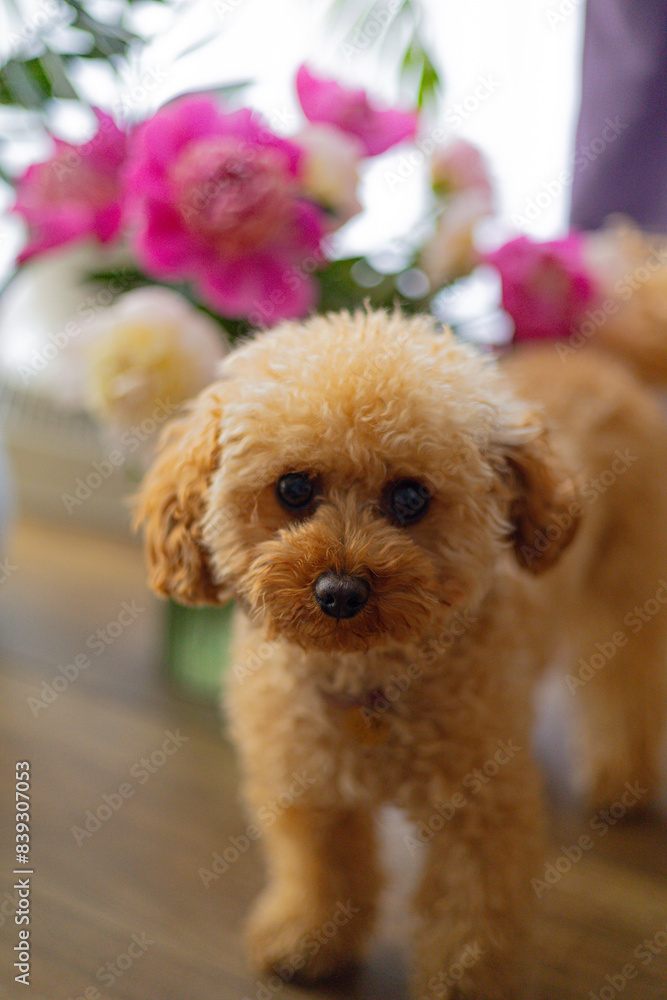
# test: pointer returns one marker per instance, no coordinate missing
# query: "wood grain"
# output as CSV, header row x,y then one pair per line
x,y
138,874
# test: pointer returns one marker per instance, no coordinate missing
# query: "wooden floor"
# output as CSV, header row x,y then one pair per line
x,y
133,883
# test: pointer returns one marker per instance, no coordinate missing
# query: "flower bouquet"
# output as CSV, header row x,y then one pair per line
x,y
606,288
225,227
205,225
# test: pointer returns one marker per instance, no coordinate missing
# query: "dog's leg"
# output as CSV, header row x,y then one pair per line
x,y
618,684
314,915
474,902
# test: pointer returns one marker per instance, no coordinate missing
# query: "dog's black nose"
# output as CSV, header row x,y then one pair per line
x,y
341,596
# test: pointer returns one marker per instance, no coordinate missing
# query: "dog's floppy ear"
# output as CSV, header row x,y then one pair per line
x,y
172,501
544,509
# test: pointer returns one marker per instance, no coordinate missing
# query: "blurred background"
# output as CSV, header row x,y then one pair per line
x,y
504,80
424,152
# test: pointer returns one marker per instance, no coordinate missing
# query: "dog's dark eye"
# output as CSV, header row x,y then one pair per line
x,y
295,490
408,500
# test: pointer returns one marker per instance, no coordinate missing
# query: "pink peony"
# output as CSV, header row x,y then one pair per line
x,y
545,286
74,194
351,111
218,200
459,166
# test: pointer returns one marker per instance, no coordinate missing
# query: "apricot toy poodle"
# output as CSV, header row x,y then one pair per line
x,y
411,532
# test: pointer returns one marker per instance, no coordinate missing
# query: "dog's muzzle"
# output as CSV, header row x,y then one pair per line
x,y
341,596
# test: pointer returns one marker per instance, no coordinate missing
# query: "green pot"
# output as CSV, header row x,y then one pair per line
x,y
198,643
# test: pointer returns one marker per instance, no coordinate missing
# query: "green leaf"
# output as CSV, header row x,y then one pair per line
x,y
339,290
24,83
415,68
126,277
4,176
54,68
429,85
32,82
110,39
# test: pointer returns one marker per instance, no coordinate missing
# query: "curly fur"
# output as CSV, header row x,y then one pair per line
x,y
466,606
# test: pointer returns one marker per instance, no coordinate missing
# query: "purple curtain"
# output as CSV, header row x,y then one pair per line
x,y
620,156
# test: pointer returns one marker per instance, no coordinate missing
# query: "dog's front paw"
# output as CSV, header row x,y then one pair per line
x,y
298,939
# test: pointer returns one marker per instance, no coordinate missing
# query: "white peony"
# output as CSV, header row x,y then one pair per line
x,y
331,169
451,251
150,347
